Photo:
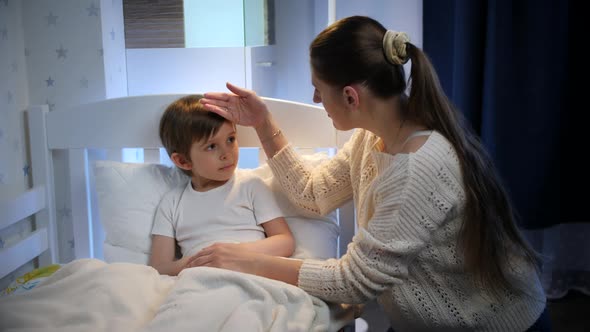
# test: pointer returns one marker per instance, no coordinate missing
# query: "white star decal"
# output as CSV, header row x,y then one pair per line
x,y
51,19
92,10
61,52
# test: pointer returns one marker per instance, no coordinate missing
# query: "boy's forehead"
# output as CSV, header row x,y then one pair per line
x,y
226,129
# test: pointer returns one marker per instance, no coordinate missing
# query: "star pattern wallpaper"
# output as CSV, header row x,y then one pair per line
x,y
60,53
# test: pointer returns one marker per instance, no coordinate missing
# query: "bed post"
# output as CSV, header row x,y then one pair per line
x,y
347,224
80,203
42,173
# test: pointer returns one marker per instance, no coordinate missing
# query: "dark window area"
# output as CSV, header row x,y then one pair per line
x,y
153,23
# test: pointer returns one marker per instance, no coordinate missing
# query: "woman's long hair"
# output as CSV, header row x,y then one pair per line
x,y
351,51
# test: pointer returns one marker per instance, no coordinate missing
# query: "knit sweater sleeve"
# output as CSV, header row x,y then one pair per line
x,y
407,212
319,190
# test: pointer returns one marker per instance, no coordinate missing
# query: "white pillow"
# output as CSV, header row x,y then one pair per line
x,y
315,236
128,195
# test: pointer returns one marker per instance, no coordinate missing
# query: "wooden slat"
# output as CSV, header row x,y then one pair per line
x,y
347,223
16,255
42,170
151,156
22,206
79,203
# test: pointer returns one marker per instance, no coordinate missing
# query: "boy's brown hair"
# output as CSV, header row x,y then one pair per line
x,y
186,121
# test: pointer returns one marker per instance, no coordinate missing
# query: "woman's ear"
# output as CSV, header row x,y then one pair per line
x,y
181,161
351,97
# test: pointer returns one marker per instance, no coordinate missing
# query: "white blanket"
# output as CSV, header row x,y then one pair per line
x,y
91,295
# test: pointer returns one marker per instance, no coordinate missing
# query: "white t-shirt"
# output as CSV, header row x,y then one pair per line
x,y
232,212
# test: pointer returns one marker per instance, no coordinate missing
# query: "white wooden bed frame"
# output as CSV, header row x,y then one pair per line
x,y
132,122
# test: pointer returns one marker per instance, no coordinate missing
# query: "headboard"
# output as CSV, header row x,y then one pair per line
x,y
113,124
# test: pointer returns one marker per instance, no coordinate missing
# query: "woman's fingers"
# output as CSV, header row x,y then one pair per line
x,y
221,108
221,96
238,90
200,259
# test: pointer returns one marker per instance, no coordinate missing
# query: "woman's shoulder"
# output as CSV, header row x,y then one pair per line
x,y
437,166
435,153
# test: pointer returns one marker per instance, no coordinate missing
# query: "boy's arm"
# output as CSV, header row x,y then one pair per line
x,y
163,258
279,240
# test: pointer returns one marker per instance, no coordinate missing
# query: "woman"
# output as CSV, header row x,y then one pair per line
x,y
437,242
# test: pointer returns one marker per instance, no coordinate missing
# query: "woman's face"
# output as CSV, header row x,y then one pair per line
x,y
334,102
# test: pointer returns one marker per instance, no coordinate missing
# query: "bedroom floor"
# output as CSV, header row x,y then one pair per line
x,y
568,314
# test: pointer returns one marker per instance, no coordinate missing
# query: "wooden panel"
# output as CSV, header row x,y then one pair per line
x,y
22,206
14,256
133,122
314,132
153,24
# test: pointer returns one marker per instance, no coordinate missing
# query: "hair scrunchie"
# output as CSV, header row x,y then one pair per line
x,y
394,47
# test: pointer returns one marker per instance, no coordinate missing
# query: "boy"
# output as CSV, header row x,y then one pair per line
x,y
217,204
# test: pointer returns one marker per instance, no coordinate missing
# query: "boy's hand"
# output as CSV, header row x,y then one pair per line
x,y
231,256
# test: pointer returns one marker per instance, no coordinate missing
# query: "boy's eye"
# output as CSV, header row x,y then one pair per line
x,y
211,147
231,139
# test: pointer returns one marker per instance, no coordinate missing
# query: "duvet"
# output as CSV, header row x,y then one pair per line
x,y
91,295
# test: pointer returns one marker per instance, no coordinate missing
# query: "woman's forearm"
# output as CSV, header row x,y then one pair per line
x,y
278,268
271,137
277,245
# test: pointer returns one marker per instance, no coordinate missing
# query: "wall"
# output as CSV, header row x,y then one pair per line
x,y
52,52
68,52
297,24
14,165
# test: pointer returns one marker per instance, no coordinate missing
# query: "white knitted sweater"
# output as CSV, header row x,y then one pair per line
x,y
405,251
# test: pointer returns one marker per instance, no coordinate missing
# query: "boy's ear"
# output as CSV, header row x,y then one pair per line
x,y
351,97
181,161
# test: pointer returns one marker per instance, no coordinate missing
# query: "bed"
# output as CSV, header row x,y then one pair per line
x,y
108,285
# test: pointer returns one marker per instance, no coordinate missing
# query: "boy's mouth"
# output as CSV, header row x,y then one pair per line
x,y
225,168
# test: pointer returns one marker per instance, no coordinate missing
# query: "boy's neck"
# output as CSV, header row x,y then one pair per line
x,y
203,185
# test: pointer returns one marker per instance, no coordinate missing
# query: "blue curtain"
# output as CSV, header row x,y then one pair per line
x,y
505,65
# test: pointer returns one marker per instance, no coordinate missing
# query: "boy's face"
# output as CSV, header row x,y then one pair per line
x,y
215,158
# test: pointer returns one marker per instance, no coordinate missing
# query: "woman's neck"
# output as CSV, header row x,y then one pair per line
x,y
384,120
395,140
